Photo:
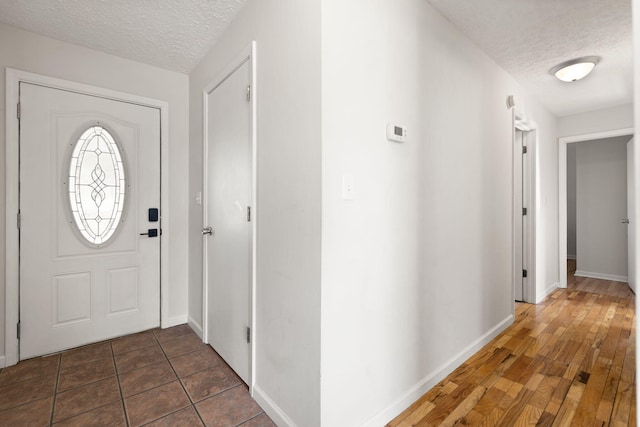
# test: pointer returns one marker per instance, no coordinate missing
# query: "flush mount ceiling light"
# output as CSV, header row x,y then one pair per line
x,y
575,69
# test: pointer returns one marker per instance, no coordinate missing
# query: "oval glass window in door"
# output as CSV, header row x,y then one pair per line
x,y
96,185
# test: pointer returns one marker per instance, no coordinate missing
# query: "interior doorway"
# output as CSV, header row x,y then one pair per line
x,y
621,218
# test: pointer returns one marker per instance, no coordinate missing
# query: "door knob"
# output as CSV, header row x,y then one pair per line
x,y
207,230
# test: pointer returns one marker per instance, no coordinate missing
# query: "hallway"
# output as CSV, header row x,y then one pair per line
x,y
569,360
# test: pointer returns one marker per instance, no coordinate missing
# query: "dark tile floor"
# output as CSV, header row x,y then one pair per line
x,y
160,377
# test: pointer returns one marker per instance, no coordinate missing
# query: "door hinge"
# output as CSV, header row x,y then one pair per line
x,y
248,334
248,92
19,220
524,211
524,273
18,111
248,213
524,149
18,330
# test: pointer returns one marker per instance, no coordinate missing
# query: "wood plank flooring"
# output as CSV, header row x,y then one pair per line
x,y
568,361
608,287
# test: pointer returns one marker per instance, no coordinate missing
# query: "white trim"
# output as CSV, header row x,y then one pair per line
x,y
277,415
534,213
174,321
603,276
562,190
548,291
197,327
247,54
12,248
13,79
433,378
514,236
2,362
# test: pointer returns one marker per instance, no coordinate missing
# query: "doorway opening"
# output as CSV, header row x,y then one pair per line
x,y
620,229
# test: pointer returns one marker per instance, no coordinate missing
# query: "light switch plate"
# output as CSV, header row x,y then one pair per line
x,y
347,187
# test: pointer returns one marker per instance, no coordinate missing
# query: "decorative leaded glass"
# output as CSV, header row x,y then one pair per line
x,y
96,185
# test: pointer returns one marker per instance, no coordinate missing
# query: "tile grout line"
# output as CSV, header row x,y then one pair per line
x,y
55,390
115,368
87,383
180,382
75,388
193,404
249,419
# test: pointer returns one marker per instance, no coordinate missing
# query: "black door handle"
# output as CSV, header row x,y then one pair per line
x,y
152,232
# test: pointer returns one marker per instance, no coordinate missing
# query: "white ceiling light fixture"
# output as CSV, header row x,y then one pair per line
x,y
575,69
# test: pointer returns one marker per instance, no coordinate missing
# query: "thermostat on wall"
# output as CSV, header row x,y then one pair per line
x,y
396,133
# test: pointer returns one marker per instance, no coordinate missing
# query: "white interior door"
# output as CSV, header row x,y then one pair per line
x,y
523,211
526,218
228,202
519,244
89,172
517,216
631,214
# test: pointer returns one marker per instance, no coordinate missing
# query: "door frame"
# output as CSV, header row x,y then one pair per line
x,y
247,54
562,190
529,131
13,79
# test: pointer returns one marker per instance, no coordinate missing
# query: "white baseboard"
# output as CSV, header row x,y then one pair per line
x,y
548,291
175,321
274,412
602,276
2,362
428,382
197,328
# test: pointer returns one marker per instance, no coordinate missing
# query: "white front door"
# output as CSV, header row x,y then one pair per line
x,y
228,203
89,184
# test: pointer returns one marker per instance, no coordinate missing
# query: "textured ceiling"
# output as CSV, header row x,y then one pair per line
x,y
172,34
525,37
529,37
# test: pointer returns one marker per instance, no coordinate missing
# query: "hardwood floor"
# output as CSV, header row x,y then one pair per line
x,y
608,287
568,361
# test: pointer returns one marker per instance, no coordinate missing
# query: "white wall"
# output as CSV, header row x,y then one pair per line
x,y
571,201
30,52
636,160
632,214
546,246
601,202
620,117
416,270
287,335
